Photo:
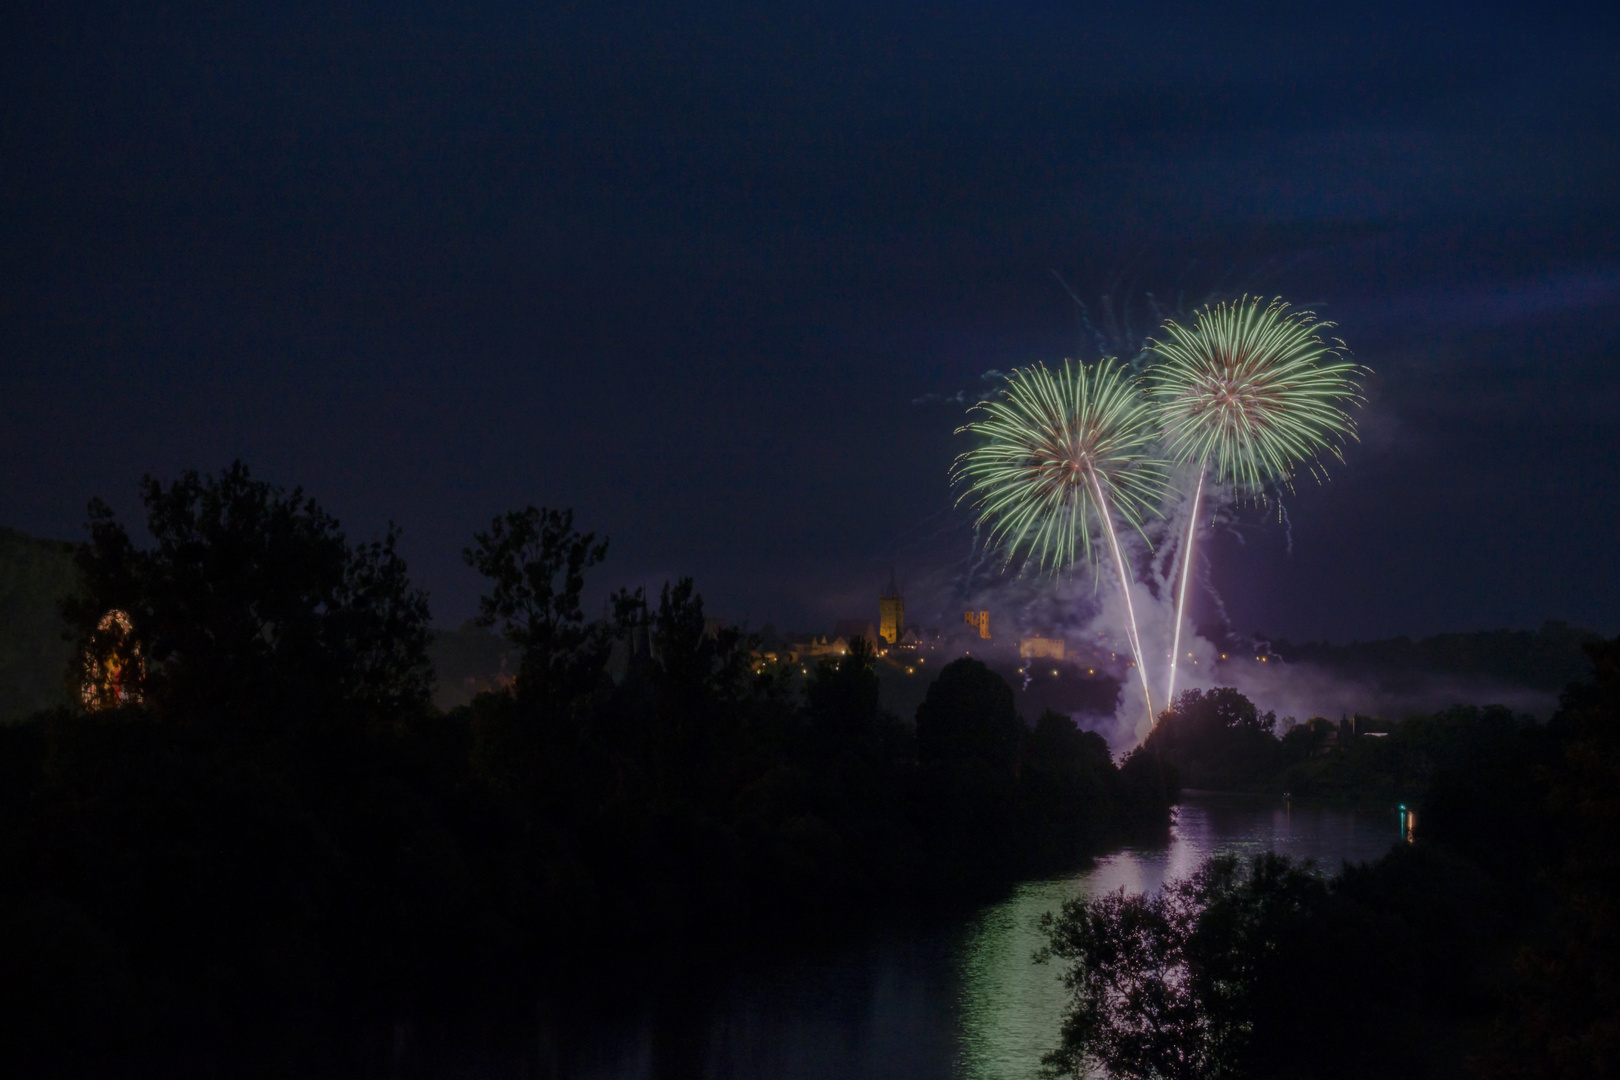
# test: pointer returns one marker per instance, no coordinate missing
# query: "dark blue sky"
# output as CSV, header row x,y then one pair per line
x,y
689,271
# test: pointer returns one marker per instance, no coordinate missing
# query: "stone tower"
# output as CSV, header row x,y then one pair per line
x,y
891,613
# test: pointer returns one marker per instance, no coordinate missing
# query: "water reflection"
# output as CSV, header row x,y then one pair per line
x,y
962,1001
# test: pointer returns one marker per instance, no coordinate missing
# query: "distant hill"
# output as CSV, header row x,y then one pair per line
x,y
34,577
1546,659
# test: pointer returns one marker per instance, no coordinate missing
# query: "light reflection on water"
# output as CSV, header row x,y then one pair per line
x,y
960,1001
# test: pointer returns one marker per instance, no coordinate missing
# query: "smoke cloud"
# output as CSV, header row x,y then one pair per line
x,y
1086,608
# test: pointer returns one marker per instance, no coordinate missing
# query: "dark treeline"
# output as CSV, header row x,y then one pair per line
x,y
267,838
1489,947
1544,659
1217,740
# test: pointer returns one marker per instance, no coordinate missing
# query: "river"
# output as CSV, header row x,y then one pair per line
x,y
959,1000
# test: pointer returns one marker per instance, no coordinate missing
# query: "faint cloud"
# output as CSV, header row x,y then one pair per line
x,y
961,397
1487,306
958,398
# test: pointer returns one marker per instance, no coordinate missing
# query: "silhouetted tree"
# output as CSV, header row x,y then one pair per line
x,y
1161,985
535,562
1305,740
1216,738
252,597
693,654
969,712
842,693
1408,952
1068,775
703,683
1562,1022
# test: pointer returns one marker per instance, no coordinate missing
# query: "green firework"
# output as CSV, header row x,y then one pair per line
x,y
1053,443
1255,393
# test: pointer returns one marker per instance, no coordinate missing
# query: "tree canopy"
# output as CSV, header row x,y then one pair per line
x,y
252,597
969,713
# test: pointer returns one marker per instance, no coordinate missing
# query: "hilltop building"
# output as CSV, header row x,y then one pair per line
x,y
850,629
1038,647
815,647
891,613
920,637
979,620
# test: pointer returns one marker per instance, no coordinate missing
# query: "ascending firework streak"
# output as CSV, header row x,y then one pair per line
x,y
1062,450
1253,395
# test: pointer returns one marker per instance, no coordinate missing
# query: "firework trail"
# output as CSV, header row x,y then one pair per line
x,y
1181,593
1252,395
1125,587
1062,452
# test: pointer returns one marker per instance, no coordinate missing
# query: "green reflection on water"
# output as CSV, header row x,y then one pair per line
x,y
1011,1008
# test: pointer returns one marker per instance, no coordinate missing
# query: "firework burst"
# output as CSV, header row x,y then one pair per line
x,y
1058,448
1061,453
1252,395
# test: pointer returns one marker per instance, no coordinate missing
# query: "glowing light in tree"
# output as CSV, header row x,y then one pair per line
x,y
1062,452
113,664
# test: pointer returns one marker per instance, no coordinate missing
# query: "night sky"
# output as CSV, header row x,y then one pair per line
x,y
715,277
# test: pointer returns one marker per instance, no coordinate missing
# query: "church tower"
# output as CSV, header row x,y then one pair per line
x,y
891,613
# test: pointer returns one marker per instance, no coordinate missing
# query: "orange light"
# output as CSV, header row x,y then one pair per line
x,y
113,665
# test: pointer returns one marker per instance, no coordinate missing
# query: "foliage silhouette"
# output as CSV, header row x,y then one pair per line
x,y
1216,739
253,599
536,562
1161,983
1561,1018
969,714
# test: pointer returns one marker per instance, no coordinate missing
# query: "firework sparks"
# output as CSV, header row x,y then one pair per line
x,y
1253,395
1062,452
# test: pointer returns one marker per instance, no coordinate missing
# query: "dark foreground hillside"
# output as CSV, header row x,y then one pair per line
x,y
266,840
